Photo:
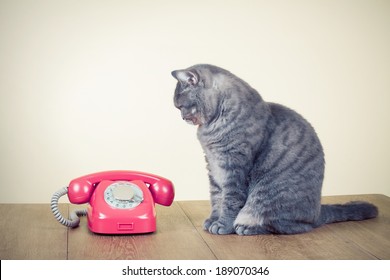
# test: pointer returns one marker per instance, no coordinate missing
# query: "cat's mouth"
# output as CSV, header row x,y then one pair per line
x,y
192,120
191,116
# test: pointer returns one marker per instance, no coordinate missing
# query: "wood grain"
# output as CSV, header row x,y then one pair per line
x,y
350,240
175,238
373,235
30,231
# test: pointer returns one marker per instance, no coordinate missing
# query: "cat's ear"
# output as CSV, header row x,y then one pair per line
x,y
186,77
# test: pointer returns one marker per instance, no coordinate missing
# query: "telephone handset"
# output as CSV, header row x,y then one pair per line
x,y
120,202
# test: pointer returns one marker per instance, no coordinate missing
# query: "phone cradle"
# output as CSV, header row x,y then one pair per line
x,y
121,207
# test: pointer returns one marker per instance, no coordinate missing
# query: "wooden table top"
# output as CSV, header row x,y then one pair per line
x,y
29,231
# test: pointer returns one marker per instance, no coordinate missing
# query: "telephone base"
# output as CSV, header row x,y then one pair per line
x,y
131,226
121,217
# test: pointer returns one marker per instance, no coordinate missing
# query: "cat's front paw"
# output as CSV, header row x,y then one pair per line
x,y
249,230
220,228
207,223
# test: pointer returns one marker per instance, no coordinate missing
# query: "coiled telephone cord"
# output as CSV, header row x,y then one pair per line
x,y
74,217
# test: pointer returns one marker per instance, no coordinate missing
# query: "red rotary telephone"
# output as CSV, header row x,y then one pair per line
x,y
120,202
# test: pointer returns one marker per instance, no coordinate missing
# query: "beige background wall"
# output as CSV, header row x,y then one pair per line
x,y
85,86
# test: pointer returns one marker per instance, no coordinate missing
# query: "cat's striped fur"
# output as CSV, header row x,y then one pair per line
x,y
265,161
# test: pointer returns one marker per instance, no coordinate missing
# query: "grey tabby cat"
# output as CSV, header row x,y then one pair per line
x,y
265,161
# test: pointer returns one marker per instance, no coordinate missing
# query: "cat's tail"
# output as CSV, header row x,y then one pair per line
x,y
351,211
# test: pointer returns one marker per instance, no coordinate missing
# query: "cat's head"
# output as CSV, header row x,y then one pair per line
x,y
197,94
